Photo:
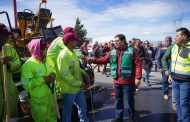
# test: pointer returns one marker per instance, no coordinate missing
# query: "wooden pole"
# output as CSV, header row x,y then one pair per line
x,y
5,87
56,106
55,100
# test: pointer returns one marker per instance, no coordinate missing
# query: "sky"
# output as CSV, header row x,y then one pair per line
x,y
151,20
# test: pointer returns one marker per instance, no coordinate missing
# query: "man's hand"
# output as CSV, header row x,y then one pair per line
x,y
137,82
167,73
90,60
5,60
160,70
170,79
52,77
85,58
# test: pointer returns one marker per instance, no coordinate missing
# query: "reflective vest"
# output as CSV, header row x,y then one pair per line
x,y
180,59
126,63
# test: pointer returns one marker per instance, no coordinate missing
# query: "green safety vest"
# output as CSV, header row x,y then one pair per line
x,y
126,63
180,59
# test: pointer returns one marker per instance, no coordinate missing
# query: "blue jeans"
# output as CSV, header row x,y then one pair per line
x,y
146,75
77,99
165,86
182,98
124,91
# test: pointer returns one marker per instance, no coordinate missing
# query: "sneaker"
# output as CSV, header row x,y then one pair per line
x,y
137,89
117,120
174,106
165,97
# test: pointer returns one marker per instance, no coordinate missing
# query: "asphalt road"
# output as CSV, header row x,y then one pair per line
x,y
150,105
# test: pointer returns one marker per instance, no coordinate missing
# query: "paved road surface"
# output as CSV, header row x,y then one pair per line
x,y
150,105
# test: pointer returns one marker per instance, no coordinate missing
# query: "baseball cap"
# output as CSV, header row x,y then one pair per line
x,y
70,36
68,30
4,30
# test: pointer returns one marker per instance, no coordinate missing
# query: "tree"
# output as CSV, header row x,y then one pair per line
x,y
81,32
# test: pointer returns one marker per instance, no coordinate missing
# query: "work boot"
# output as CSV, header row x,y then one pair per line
x,y
117,120
165,97
174,106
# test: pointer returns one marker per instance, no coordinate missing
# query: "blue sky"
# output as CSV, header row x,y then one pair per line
x,y
145,19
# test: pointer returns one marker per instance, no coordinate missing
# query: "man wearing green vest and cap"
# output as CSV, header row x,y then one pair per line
x,y
126,70
180,74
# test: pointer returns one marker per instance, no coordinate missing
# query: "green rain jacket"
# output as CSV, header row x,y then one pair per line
x,y
55,48
53,51
12,91
41,99
70,73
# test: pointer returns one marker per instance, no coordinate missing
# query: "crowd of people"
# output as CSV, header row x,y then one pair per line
x,y
57,69
161,56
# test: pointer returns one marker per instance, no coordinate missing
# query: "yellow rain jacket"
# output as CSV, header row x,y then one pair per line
x,y
70,73
12,91
41,98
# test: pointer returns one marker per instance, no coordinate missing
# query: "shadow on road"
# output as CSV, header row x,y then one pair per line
x,y
158,117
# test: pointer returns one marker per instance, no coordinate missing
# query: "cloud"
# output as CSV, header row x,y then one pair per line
x,y
142,10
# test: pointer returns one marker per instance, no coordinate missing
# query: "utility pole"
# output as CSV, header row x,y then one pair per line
x,y
15,13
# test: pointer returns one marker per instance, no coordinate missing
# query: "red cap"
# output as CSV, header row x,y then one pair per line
x,y
4,30
70,37
68,30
